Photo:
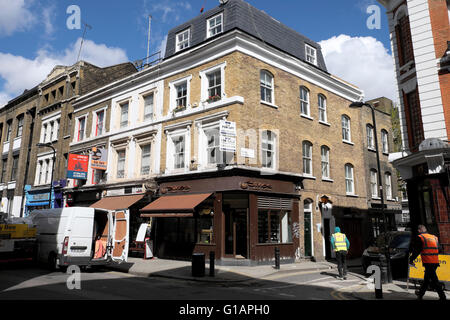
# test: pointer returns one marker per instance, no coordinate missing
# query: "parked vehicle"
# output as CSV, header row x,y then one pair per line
x,y
76,235
399,242
17,239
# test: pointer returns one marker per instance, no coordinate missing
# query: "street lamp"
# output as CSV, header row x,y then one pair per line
x,y
380,182
49,145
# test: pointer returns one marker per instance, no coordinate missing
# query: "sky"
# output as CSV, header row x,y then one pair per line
x,y
36,35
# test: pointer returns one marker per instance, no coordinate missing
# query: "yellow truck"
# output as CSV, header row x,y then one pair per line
x,y
17,241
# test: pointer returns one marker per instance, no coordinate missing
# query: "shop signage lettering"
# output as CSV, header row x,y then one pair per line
x,y
172,189
256,186
40,197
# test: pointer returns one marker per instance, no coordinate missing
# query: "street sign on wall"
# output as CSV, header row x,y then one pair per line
x,y
77,167
227,136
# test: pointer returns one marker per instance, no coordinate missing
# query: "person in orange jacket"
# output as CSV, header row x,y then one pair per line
x,y
427,245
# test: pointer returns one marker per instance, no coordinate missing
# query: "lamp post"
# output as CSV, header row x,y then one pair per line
x,y
380,182
49,145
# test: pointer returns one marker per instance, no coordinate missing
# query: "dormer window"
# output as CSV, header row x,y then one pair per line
x,y
182,40
214,25
311,54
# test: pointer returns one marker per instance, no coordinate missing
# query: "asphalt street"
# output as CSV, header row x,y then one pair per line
x,y
25,283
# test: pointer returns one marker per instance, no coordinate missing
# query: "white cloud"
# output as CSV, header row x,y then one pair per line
x,y
362,61
20,73
15,16
48,14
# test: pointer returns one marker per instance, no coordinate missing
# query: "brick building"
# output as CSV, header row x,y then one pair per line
x,y
44,115
297,143
16,131
420,33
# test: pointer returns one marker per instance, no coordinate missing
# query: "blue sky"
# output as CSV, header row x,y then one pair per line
x,y
34,36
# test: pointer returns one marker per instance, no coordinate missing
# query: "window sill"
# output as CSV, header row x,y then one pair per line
x,y
352,195
327,180
348,142
269,104
306,116
311,177
372,149
375,198
325,123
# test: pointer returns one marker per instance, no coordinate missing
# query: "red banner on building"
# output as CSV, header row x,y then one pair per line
x,y
77,167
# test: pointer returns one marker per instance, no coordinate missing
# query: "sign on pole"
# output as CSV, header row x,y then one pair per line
x,y
99,159
77,167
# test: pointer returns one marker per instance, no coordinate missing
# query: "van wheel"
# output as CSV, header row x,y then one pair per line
x,y
51,261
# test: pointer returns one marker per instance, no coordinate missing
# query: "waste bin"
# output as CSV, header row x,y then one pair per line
x,y
198,264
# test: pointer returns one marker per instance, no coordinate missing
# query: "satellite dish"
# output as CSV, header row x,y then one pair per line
x,y
223,1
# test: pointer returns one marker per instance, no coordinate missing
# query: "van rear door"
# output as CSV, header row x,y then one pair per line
x,y
120,235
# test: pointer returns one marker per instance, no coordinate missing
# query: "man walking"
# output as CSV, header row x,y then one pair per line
x,y
340,244
427,245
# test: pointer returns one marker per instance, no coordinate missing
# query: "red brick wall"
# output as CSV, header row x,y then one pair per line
x,y
441,34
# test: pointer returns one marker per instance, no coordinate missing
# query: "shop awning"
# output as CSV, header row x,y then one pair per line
x,y
117,202
174,206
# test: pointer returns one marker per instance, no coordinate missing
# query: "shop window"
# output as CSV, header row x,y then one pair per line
x,y
274,226
205,228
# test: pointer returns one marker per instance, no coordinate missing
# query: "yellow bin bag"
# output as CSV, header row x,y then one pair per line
x,y
443,272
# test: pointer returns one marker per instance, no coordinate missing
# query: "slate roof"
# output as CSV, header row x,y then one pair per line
x,y
238,14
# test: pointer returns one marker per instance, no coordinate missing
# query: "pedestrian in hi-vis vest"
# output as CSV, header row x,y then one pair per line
x,y
340,244
427,245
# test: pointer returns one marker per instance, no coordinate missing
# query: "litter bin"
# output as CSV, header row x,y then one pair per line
x,y
198,264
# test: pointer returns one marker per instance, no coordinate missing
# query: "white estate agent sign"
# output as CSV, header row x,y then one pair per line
x,y
227,133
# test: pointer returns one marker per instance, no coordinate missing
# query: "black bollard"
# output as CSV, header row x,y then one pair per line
x,y
212,257
277,258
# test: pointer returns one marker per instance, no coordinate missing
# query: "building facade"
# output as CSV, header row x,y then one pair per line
x,y
237,142
43,115
420,34
17,128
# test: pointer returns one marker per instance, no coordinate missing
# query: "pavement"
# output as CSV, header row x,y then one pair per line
x,y
176,269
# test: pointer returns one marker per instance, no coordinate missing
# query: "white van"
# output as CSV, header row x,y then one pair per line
x,y
70,236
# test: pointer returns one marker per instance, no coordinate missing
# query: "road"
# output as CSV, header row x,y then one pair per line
x,y
28,282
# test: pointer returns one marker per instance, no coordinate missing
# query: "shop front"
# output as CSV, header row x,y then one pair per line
x,y
39,198
238,214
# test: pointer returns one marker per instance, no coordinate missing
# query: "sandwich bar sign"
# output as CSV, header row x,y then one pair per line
x,y
77,167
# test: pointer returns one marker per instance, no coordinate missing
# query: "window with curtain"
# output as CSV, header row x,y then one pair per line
x,y
322,101
307,157
385,141
120,164
145,159
268,149
388,185
373,183
349,179
266,83
304,101
370,137
325,155
346,135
